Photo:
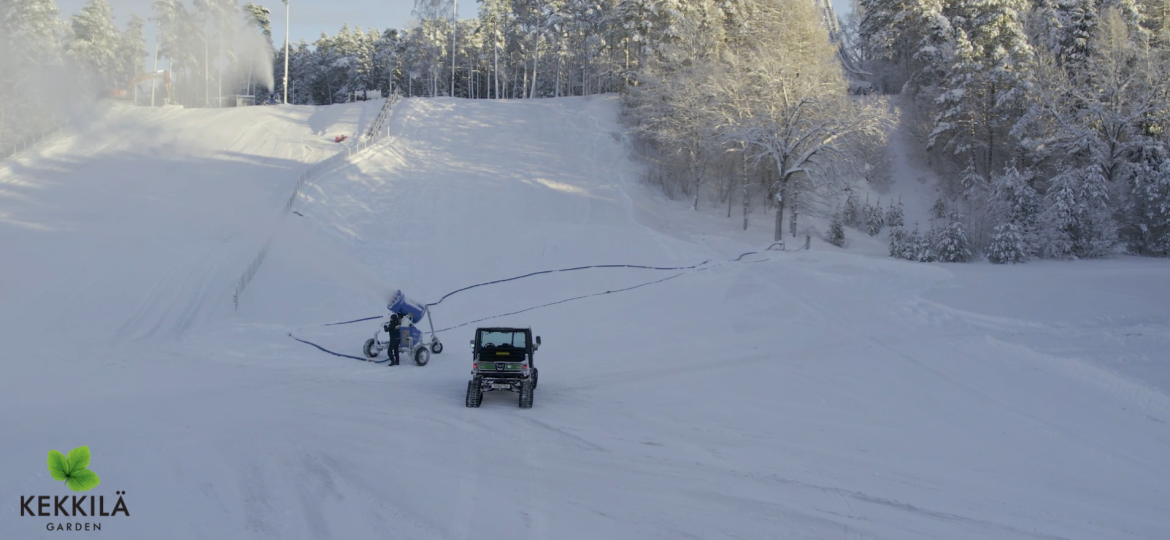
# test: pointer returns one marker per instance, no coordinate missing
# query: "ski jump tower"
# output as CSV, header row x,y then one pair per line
x,y
845,51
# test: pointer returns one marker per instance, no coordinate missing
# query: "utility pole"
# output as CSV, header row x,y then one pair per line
x,y
206,72
496,59
153,82
286,51
454,30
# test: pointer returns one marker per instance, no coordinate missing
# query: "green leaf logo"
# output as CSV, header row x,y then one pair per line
x,y
72,469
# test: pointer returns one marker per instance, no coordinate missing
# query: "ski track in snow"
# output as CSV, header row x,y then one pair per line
x,y
813,394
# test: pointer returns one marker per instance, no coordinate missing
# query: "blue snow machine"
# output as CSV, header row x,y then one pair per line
x,y
410,342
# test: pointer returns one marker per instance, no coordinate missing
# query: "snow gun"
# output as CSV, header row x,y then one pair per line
x,y
410,341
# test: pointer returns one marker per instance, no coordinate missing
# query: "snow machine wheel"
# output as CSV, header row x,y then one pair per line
x,y
474,394
422,356
368,349
535,377
526,394
437,347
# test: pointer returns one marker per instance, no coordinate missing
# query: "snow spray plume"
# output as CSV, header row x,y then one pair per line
x,y
215,53
328,259
38,96
254,60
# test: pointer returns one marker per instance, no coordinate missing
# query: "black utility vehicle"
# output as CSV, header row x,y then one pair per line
x,y
502,360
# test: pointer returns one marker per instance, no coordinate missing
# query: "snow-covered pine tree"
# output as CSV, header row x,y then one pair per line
x,y
363,70
1092,127
1157,21
304,72
922,245
1017,201
1014,201
32,32
874,220
898,237
895,216
344,68
938,210
131,51
636,20
1148,230
1007,245
30,41
911,41
355,63
985,86
852,215
912,245
95,43
837,231
259,16
1078,25
385,59
935,49
433,40
950,243
1045,25
1076,221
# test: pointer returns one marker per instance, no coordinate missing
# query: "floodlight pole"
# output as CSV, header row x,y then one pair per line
x,y
153,81
454,30
286,51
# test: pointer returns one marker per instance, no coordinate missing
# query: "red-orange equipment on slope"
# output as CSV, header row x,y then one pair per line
x,y
129,92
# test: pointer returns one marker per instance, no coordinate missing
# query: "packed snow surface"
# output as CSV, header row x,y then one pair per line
x,y
801,394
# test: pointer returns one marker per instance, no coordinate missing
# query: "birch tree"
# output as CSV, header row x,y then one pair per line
x,y
676,99
792,106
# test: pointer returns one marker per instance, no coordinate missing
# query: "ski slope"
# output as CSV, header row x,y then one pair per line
x,y
816,394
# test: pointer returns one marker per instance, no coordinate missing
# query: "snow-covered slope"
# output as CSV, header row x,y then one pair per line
x,y
812,394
